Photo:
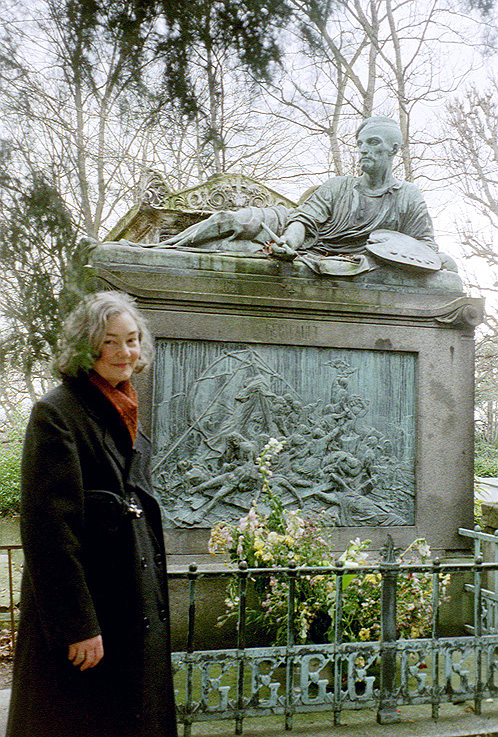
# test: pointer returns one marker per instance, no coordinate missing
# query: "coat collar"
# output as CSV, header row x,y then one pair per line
x,y
115,434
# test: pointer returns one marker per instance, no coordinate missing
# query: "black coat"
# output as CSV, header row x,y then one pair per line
x,y
92,565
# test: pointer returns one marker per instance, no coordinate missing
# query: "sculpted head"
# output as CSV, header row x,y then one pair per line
x,y
84,337
378,139
381,125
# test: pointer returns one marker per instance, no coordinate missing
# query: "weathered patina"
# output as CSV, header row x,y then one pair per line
x,y
337,230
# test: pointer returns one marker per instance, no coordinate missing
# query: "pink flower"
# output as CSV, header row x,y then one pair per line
x,y
253,518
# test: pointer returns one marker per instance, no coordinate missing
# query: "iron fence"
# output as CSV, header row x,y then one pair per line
x,y
246,681
487,601
9,588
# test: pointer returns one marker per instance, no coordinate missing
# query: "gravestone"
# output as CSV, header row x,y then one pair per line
x,y
363,367
334,325
369,380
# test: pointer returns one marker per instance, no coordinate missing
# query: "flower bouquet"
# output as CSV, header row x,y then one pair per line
x,y
270,536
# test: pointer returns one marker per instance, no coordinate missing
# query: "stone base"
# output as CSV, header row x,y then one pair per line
x,y
399,345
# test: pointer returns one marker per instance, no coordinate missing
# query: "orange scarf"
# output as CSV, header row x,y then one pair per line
x,y
123,397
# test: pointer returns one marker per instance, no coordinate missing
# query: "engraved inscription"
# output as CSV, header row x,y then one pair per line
x,y
284,331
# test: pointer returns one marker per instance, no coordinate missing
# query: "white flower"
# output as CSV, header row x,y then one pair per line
x,y
272,447
424,550
294,525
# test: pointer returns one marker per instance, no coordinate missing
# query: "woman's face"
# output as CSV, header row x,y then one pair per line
x,y
120,349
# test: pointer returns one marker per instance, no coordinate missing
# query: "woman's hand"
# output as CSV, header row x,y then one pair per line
x,y
87,653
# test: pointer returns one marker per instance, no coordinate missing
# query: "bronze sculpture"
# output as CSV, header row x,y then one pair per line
x,y
345,226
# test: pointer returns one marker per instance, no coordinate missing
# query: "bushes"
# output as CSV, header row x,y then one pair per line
x,y
486,459
10,465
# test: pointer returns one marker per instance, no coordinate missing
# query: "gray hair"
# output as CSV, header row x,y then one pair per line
x,y
84,329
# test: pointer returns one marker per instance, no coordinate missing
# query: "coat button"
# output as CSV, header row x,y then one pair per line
x,y
146,622
158,559
143,561
163,615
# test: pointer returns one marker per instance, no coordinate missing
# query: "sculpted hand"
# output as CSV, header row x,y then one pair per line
x,y
87,653
282,251
378,236
284,248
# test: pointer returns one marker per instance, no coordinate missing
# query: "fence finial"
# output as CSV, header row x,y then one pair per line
x,y
389,551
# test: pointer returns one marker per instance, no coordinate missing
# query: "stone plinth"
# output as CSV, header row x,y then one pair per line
x,y
369,380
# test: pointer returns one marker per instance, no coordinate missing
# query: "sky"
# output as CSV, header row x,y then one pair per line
x,y
456,52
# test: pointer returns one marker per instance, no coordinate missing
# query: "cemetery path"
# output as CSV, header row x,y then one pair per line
x,y
455,721
5,674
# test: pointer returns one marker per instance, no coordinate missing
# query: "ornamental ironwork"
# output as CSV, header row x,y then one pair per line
x,y
244,681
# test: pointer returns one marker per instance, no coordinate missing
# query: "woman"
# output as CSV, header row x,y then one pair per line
x,y
93,648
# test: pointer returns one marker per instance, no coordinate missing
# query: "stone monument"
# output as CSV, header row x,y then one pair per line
x,y
335,326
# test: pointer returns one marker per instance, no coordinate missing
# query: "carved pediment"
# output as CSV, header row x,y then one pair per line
x,y
160,213
224,192
153,190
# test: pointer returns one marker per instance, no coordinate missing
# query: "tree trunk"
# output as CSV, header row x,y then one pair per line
x,y
401,94
81,150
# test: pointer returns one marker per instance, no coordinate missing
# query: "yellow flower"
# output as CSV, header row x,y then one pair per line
x,y
364,634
